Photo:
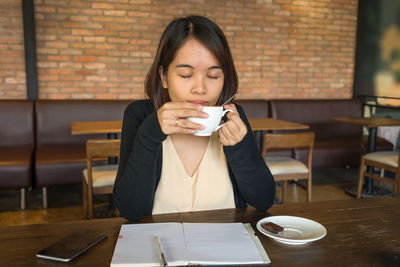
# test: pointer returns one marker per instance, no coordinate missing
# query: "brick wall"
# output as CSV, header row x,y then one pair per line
x,y
12,61
282,48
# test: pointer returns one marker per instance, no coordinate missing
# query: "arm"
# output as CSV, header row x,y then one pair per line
x,y
138,169
255,182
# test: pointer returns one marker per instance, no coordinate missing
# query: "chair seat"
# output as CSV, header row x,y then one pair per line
x,y
102,175
390,158
285,165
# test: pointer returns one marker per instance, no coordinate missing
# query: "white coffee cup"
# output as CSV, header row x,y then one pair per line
x,y
211,124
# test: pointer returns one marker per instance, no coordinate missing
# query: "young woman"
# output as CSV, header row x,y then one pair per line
x,y
164,167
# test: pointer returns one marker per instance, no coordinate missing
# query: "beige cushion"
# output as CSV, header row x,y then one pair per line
x,y
102,175
387,157
285,165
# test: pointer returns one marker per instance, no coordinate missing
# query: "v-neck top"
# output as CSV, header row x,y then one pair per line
x,y
209,188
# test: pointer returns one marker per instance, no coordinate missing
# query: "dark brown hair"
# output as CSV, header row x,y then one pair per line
x,y
174,37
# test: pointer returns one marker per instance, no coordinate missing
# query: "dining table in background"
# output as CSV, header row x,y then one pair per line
x,y
360,232
372,123
111,128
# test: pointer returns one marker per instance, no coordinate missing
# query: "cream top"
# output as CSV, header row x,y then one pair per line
x,y
209,188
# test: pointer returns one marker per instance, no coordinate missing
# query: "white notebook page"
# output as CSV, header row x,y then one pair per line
x,y
220,243
136,245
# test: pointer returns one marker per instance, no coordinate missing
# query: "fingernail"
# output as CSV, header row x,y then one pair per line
x,y
199,107
205,115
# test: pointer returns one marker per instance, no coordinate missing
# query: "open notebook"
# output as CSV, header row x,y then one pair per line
x,y
188,244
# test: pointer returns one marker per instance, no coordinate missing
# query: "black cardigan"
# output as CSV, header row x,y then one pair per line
x,y
140,165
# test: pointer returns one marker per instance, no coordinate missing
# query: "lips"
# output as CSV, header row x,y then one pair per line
x,y
201,102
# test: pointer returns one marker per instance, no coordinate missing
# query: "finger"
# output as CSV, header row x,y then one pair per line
x,y
183,123
186,113
227,132
231,106
222,138
183,105
235,124
178,129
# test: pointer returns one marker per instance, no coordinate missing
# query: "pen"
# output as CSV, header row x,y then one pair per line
x,y
163,262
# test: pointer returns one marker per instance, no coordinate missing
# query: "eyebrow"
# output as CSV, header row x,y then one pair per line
x,y
189,66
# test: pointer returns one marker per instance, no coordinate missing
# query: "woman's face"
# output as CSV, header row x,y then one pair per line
x,y
194,75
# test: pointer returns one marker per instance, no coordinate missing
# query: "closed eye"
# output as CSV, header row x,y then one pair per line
x,y
185,76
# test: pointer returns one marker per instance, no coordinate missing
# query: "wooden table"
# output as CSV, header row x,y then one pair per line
x,y
96,127
361,232
269,124
372,123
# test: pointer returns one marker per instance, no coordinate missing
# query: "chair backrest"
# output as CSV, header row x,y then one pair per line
x,y
102,148
272,141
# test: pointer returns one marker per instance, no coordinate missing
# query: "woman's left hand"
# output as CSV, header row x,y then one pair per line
x,y
234,130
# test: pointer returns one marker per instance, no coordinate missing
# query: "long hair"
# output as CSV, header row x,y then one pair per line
x,y
174,37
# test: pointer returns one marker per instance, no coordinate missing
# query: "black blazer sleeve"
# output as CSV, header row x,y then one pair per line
x,y
254,180
137,176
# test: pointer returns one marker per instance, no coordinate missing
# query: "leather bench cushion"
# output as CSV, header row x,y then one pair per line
x,y
16,167
62,173
16,123
53,119
61,165
317,114
60,154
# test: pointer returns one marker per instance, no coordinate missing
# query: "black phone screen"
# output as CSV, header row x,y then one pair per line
x,y
72,245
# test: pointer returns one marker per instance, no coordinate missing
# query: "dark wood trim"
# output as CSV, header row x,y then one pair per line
x,y
30,49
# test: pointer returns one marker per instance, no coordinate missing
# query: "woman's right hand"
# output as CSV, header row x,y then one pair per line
x,y
172,117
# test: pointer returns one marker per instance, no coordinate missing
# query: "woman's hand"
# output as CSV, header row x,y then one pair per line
x,y
234,130
172,117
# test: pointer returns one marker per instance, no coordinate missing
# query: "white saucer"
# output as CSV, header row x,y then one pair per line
x,y
297,230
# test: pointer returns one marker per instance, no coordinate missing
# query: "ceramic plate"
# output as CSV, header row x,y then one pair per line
x,y
297,230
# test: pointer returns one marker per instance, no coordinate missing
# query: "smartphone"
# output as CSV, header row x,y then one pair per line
x,y
72,245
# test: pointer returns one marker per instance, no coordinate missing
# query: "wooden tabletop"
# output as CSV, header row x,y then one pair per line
x,y
266,124
95,127
361,232
370,122
259,124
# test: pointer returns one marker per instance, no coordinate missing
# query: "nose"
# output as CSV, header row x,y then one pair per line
x,y
199,86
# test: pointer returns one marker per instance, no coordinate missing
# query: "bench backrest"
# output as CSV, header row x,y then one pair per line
x,y
16,123
53,119
255,108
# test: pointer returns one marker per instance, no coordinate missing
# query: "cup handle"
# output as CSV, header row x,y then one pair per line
x,y
223,114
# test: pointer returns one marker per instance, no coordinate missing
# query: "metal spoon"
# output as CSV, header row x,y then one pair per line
x,y
232,97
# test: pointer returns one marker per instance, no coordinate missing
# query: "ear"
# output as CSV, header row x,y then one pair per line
x,y
163,77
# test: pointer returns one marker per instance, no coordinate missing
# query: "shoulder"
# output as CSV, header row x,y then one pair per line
x,y
139,108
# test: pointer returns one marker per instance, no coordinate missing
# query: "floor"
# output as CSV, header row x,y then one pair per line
x,y
65,203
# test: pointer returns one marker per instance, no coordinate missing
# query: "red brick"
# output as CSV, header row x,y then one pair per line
x,y
85,59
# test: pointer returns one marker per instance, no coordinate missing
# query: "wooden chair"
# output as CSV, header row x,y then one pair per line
x,y
384,160
288,168
99,179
